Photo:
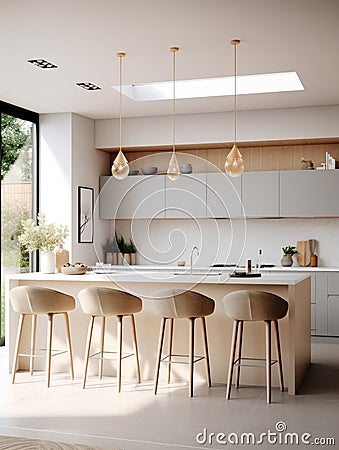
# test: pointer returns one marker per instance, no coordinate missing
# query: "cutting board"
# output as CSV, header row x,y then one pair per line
x,y
304,253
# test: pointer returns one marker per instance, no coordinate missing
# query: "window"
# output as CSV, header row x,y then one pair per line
x,y
19,187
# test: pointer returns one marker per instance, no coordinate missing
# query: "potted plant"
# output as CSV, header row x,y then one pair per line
x,y
131,250
122,249
45,237
288,252
111,250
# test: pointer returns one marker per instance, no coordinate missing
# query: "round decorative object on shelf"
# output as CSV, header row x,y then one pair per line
x,y
186,168
149,170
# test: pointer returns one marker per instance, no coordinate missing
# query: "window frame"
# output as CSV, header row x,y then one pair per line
x,y
33,117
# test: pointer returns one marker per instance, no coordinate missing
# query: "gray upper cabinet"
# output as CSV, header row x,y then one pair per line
x,y
260,194
186,197
134,197
309,193
223,196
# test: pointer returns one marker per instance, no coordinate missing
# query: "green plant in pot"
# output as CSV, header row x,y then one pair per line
x,y
288,252
121,244
131,250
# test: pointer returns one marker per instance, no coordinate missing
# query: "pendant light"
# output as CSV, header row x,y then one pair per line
x,y
120,167
173,171
234,165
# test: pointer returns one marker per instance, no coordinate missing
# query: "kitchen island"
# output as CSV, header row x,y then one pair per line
x,y
295,327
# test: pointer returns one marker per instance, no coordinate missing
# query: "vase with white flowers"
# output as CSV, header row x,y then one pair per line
x,y
45,237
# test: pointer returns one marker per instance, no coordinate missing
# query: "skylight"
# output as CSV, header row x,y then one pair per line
x,y
214,87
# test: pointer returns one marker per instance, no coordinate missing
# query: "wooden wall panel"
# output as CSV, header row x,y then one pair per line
x,y
258,158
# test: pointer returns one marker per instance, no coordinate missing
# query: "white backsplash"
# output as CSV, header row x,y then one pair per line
x,y
224,241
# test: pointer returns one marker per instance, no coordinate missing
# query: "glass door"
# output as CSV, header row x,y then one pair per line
x,y
18,191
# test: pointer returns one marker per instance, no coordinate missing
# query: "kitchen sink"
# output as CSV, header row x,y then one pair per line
x,y
199,273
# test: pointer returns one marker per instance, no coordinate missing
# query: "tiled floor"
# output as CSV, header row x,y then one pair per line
x,y
136,419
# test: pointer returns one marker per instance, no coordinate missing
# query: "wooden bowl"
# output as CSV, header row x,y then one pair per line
x,y
73,270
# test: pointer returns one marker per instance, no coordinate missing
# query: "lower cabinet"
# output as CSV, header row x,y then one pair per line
x,y
327,304
333,304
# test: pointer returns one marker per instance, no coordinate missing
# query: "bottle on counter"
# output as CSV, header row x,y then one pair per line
x,y
314,261
258,261
61,257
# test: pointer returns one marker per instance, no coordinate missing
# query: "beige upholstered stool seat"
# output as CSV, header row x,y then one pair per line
x,y
172,304
253,306
107,302
33,301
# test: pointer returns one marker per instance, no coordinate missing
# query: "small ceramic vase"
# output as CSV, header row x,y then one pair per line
x,y
287,260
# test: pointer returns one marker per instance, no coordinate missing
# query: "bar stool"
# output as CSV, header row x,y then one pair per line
x,y
107,302
172,304
34,301
253,306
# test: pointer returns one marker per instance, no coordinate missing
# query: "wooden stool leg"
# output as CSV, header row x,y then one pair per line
x,y
170,346
161,342
191,355
17,345
207,356
277,341
239,353
33,339
50,317
119,342
102,345
135,345
88,349
69,344
232,354
268,360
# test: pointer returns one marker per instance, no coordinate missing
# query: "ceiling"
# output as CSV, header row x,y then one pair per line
x,y
82,38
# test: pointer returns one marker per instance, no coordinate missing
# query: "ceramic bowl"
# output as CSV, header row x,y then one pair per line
x,y
149,170
186,168
133,172
73,270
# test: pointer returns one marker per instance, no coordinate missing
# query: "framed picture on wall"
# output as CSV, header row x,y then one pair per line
x,y
85,214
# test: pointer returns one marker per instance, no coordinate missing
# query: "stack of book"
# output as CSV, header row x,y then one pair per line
x,y
330,162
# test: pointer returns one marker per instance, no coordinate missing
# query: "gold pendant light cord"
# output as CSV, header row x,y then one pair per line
x,y
120,101
173,101
235,94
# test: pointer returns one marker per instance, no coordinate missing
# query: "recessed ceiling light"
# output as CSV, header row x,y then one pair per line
x,y
88,86
214,87
42,63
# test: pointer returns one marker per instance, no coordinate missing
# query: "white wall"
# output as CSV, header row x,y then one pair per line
x,y
68,159
170,240
55,169
259,125
87,165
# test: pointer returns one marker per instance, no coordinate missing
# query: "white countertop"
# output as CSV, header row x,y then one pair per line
x,y
148,276
169,268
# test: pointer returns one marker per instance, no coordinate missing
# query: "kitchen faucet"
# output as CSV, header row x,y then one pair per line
x,y
197,250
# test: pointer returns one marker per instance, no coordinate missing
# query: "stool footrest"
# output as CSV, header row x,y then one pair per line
x,y
168,359
123,356
28,354
238,362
